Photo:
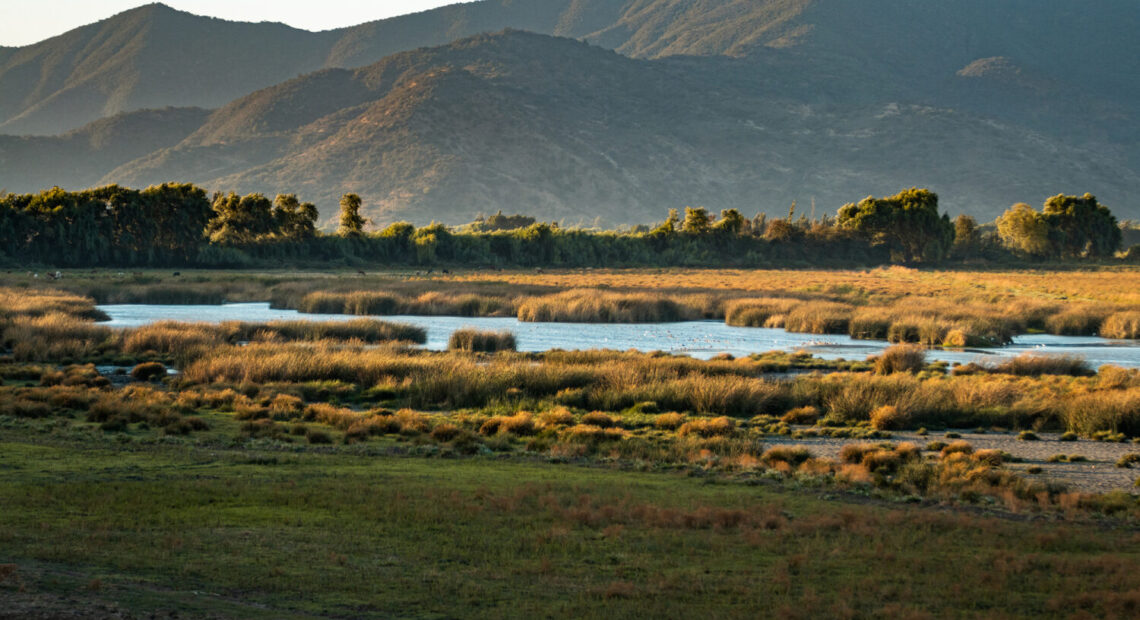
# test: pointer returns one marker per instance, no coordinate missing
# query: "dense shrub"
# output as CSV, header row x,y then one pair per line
x,y
148,371
900,358
473,340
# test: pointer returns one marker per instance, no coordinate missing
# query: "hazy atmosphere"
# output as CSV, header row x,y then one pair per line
x,y
23,22
570,309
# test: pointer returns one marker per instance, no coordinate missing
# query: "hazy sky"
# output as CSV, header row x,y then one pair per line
x,y
28,21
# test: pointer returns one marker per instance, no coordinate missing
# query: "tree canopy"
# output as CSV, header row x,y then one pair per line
x,y
1067,226
908,224
177,225
351,222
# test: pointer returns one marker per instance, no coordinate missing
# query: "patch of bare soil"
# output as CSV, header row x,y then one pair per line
x,y
1099,474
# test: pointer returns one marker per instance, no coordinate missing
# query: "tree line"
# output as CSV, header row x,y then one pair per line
x,y
180,225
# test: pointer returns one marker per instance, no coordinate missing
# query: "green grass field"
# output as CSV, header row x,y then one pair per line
x,y
213,530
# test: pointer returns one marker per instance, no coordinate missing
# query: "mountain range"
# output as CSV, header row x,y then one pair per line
x,y
580,109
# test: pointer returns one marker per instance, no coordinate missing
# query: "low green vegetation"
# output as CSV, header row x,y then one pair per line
x,y
261,532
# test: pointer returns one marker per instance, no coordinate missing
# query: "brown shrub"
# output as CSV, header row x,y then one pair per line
x,y
559,416
789,455
285,407
957,447
588,433
669,421
993,458
854,452
473,340
445,432
801,415
900,358
148,371
1121,325
522,423
716,427
889,417
1030,365
599,419
412,422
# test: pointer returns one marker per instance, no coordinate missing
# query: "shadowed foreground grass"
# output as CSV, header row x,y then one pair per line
x,y
213,530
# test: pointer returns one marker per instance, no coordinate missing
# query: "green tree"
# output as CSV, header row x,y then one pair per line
x,y
432,243
908,224
697,221
731,221
781,230
239,220
1081,226
967,238
1023,229
294,220
351,222
669,226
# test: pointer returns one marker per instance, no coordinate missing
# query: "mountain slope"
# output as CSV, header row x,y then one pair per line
x,y
726,103
78,159
564,130
148,57
155,56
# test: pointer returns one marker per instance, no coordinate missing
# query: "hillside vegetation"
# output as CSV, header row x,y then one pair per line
x,y
720,103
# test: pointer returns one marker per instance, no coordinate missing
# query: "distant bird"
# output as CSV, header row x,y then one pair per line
x,y
177,274
359,272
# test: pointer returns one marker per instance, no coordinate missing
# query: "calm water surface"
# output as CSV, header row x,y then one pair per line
x,y
701,339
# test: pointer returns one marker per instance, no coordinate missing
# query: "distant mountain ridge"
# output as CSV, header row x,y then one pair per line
x,y
81,158
155,56
564,130
724,103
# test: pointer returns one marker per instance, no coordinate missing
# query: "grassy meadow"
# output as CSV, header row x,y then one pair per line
x,y
310,469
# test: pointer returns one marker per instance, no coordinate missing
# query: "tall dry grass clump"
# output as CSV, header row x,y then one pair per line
x,y
53,337
521,424
55,326
1030,365
871,324
1121,325
716,427
756,312
1116,410
901,358
364,330
431,303
474,340
36,303
593,306
819,317
1082,320
172,337
169,337
889,418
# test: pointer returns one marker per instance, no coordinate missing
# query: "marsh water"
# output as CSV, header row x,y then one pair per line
x,y
700,339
